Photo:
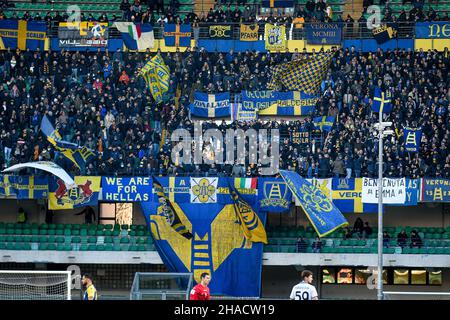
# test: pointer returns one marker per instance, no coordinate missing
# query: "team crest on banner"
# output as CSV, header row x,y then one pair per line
x,y
85,194
218,244
204,190
275,195
275,37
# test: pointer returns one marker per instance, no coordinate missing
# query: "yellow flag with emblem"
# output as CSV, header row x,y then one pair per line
x,y
251,225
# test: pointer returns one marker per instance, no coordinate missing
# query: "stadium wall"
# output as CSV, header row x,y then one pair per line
x,y
423,215
277,282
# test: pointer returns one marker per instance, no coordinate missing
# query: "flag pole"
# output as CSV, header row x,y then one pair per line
x,y
380,208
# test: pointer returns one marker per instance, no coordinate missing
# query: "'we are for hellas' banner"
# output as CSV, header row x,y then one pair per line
x,y
394,190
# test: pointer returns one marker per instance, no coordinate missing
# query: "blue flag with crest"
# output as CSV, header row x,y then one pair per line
x,y
324,216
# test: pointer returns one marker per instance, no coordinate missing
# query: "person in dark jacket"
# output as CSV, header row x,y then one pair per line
x,y
402,238
416,240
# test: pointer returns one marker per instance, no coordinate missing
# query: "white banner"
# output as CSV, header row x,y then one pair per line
x,y
203,190
48,166
394,190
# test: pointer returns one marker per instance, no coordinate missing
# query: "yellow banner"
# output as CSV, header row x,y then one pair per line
x,y
275,37
249,32
85,194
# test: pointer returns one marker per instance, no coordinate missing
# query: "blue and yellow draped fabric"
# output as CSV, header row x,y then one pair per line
x,y
274,195
301,75
275,37
277,3
31,187
77,154
211,105
168,211
156,75
218,245
347,196
85,194
22,34
292,103
248,219
324,216
413,138
176,35
435,190
324,123
7,187
382,101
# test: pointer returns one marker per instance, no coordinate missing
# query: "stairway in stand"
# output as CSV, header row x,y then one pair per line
x,y
354,8
203,6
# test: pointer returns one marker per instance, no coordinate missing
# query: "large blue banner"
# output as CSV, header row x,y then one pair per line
x,y
436,190
323,33
292,103
30,187
433,30
135,189
274,195
210,105
218,245
320,210
22,34
7,187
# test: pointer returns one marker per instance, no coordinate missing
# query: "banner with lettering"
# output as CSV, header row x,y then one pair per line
x,y
134,189
412,193
292,103
220,32
323,33
241,113
394,190
275,37
249,32
300,136
413,137
433,30
435,190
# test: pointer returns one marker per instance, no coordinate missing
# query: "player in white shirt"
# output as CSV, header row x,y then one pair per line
x,y
304,290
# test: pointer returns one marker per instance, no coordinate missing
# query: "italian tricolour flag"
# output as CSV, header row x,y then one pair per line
x,y
245,183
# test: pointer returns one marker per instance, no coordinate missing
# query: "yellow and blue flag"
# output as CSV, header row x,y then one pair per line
x,y
324,123
218,245
325,217
77,154
274,195
277,3
248,219
85,194
7,186
167,210
382,101
413,138
211,105
22,34
347,196
301,75
156,75
176,35
31,187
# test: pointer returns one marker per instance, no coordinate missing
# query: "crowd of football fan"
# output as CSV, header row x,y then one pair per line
x,y
98,100
155,12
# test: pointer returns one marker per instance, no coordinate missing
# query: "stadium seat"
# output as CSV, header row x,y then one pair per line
x,y
76,240
92,240
124,240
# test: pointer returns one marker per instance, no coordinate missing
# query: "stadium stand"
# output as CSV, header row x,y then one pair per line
x,y
84,237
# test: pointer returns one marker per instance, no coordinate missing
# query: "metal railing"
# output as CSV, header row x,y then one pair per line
x,y
353,30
